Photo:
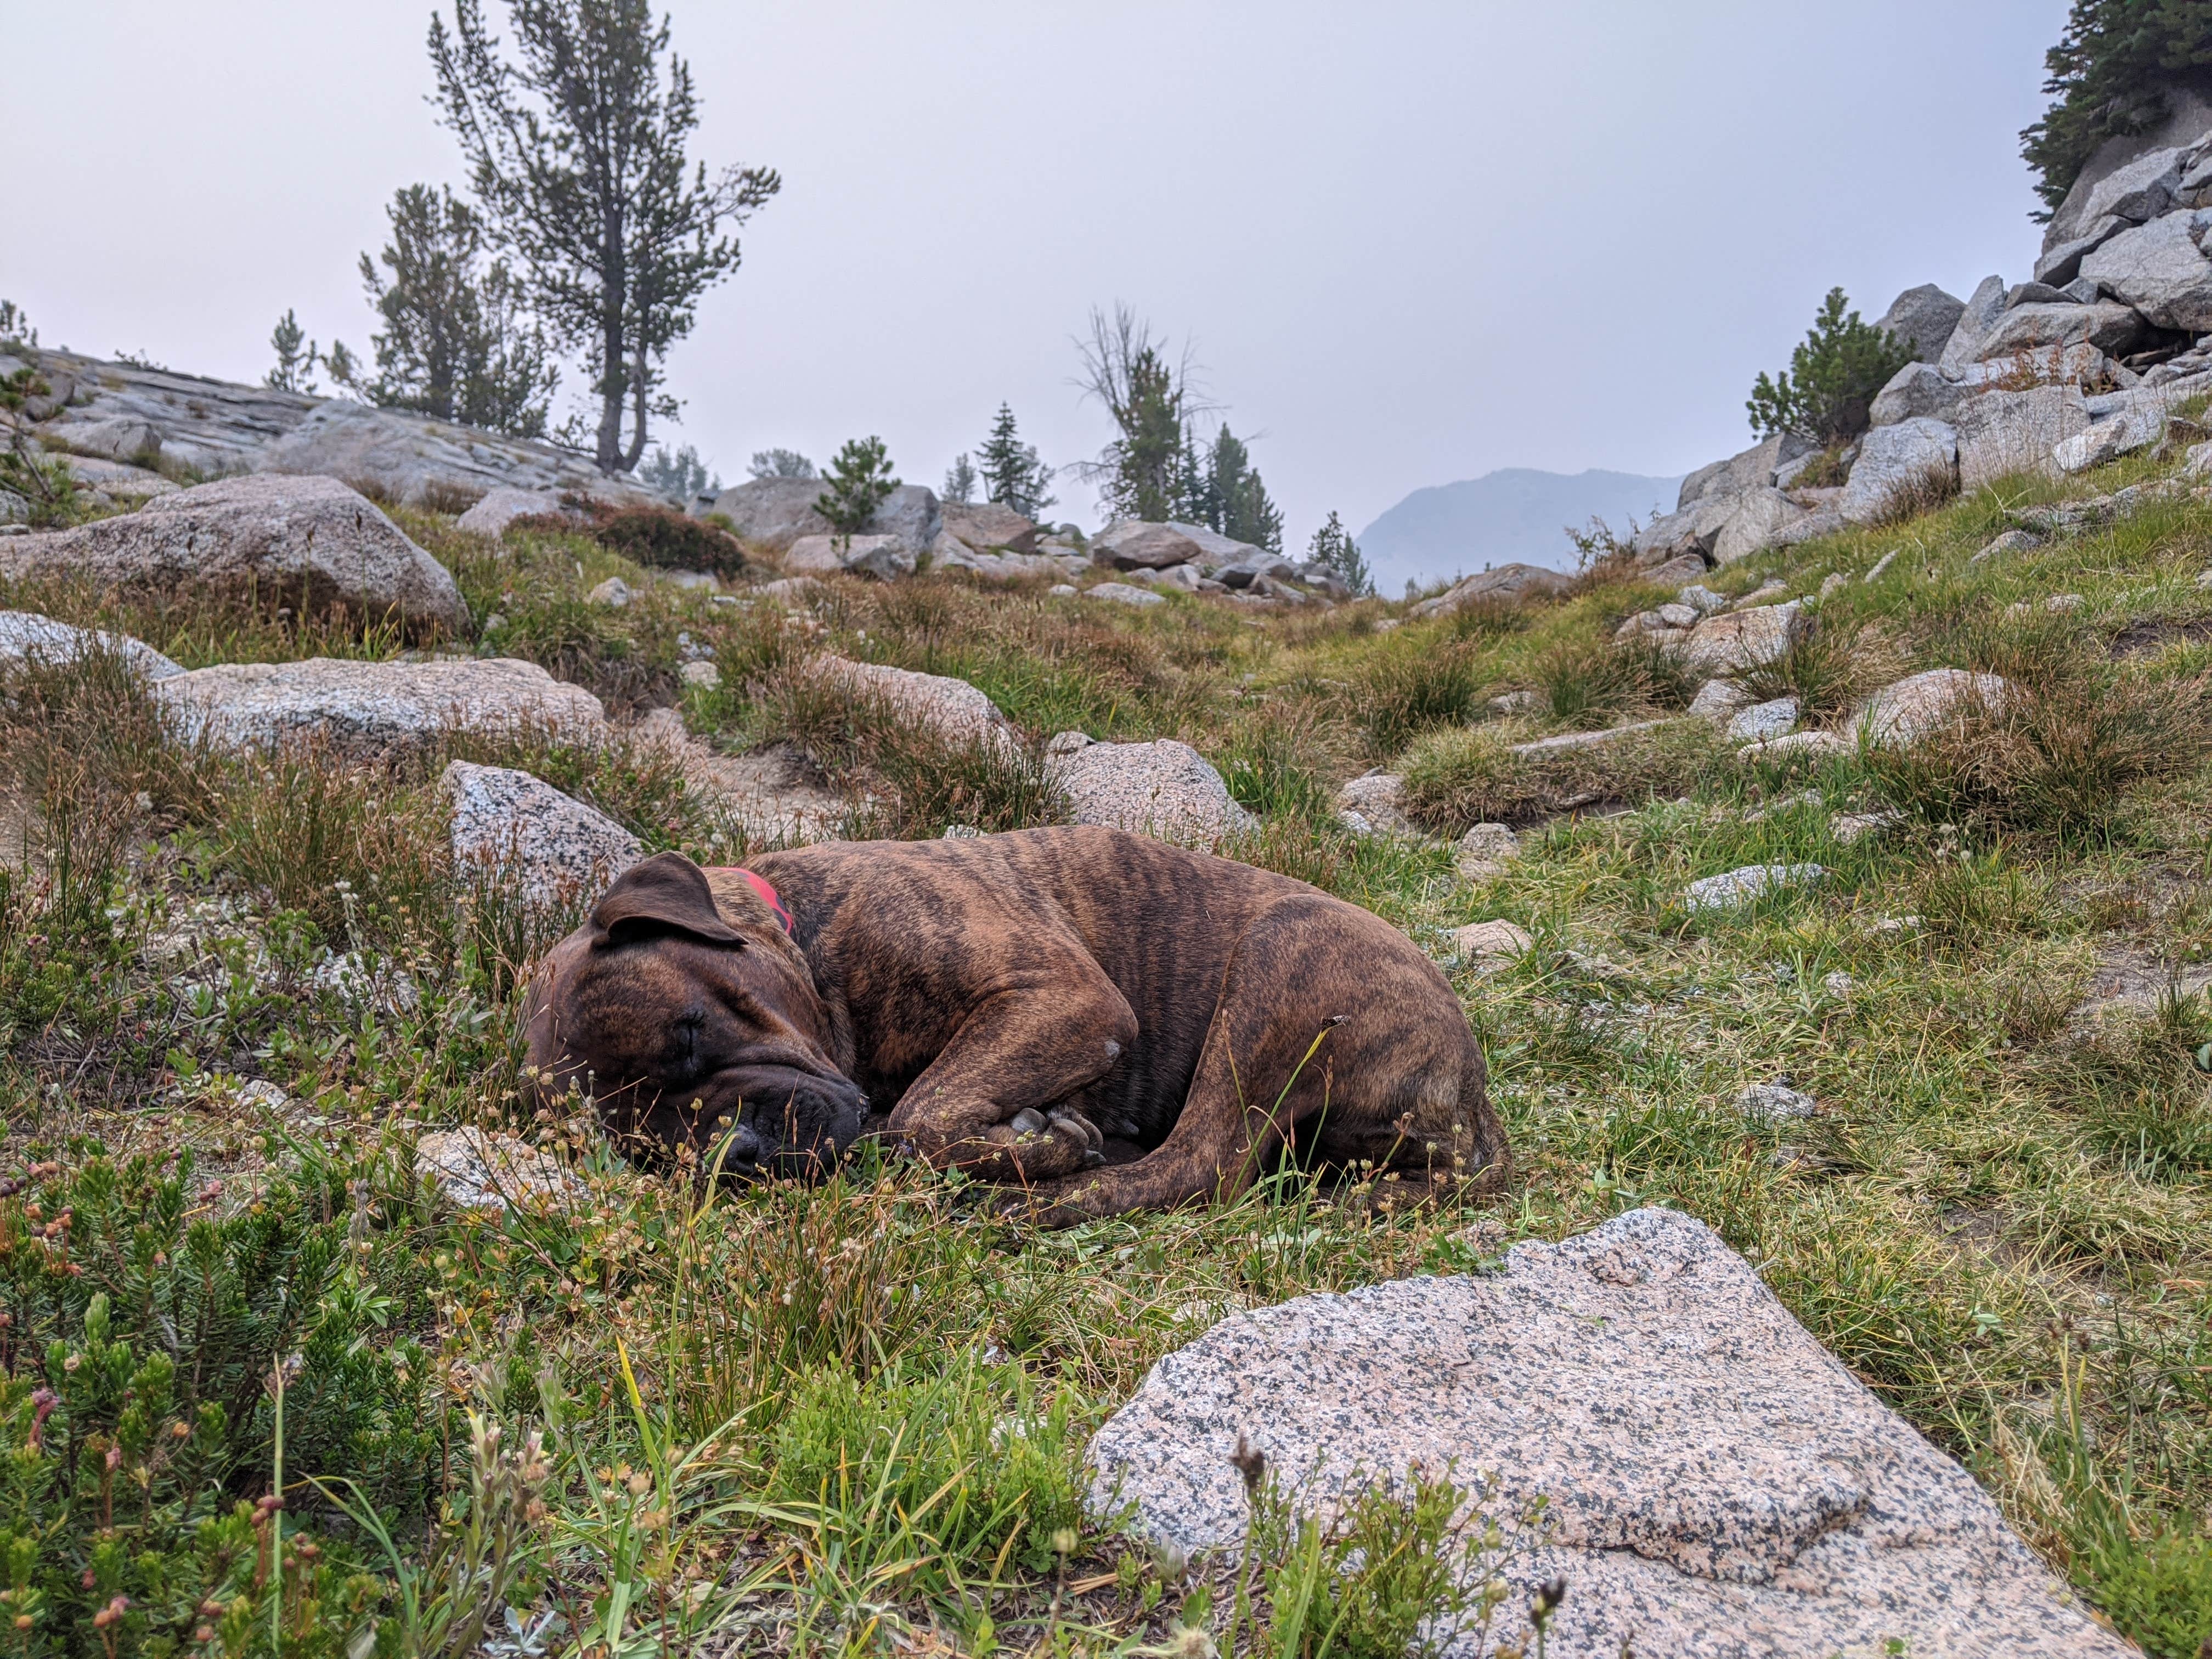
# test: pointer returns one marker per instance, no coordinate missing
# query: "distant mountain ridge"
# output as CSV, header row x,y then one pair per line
x,y
1515,514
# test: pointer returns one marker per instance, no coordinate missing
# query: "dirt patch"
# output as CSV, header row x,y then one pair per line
x,y
2154,633
2132,979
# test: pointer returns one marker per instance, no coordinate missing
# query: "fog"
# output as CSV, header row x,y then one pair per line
x,y
1407,243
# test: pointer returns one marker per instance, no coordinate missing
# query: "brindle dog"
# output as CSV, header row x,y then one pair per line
x,y
1100,1021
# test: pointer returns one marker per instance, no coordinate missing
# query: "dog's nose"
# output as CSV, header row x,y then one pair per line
x,y
744,1148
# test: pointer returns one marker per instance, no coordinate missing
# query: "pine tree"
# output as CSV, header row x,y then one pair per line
x,y
576,155
681,476
1012,475
1828,389
1228,495
1334,548
2111,73
1146,473
295,357
858,480
960,481
454,343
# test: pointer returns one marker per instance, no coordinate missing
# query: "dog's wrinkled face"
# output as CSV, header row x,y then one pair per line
x,y
685,1030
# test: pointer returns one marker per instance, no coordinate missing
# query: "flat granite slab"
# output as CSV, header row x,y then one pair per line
x,y
1716,1485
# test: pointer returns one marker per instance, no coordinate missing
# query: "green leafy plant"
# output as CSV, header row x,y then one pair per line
x,y
45,485
858,481
1825,392
149,1349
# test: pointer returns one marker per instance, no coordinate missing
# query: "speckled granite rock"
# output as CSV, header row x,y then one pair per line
x,y
1124,593
479,1169
291,540
376,706
1490,944
1483,852
1753,881
1370,805
522,834
1736,640
25,635
1920,705
1763,721
952,709
1717,1486
502,506
1163,788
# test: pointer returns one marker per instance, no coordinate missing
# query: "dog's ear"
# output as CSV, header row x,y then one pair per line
x,y
664,894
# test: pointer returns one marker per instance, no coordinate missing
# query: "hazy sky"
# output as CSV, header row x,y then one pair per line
x,y
1410,243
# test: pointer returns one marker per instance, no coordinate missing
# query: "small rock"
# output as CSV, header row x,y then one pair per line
x,y
614,593
1845,827
1771,1103
1062,590
516,832
1763,721
1163,788
1895,926
1769,591
1490,944
1717,699
2013,541
477,1169
1124,593
1484,852
1523,702
703,675
1374,801
1702,599
1677,616
1880,565
502,506
1743,639
1751,883
1837,984
1833,583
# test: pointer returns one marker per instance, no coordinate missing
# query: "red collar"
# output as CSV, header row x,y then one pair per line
x,y
760,884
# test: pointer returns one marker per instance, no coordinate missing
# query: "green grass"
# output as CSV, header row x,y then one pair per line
x,y
850,1417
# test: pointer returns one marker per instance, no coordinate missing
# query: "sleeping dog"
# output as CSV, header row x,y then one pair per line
x,y
1099,1021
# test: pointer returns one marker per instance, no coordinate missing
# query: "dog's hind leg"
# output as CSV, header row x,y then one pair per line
x,y
1334,1032
993,1102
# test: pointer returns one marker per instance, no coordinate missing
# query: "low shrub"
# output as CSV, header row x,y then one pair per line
x,y
1412,684
662,538
2057,755
140,1371
1587,683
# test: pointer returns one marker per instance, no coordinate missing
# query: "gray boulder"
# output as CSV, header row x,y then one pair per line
x,y
1983,309
502,506
1737,640
1924,318
1123,593
309,542
2160,269
1760,522
883,556
951,710
26,636
1695,528
1733,889
2140,191
376,708
519,833
1920,705
114,438
2001,433
2062,265
1915,392
1894,462
772,514
1713,1483
1752,468
1137,544
1164,788
2113,329
986,526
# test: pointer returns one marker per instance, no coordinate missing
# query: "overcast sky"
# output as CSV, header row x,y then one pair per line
x,y
1410,243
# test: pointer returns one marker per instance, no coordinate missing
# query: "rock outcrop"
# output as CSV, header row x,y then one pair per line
x,y
1509,584
1714,1484
307,542
952,711
373,708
